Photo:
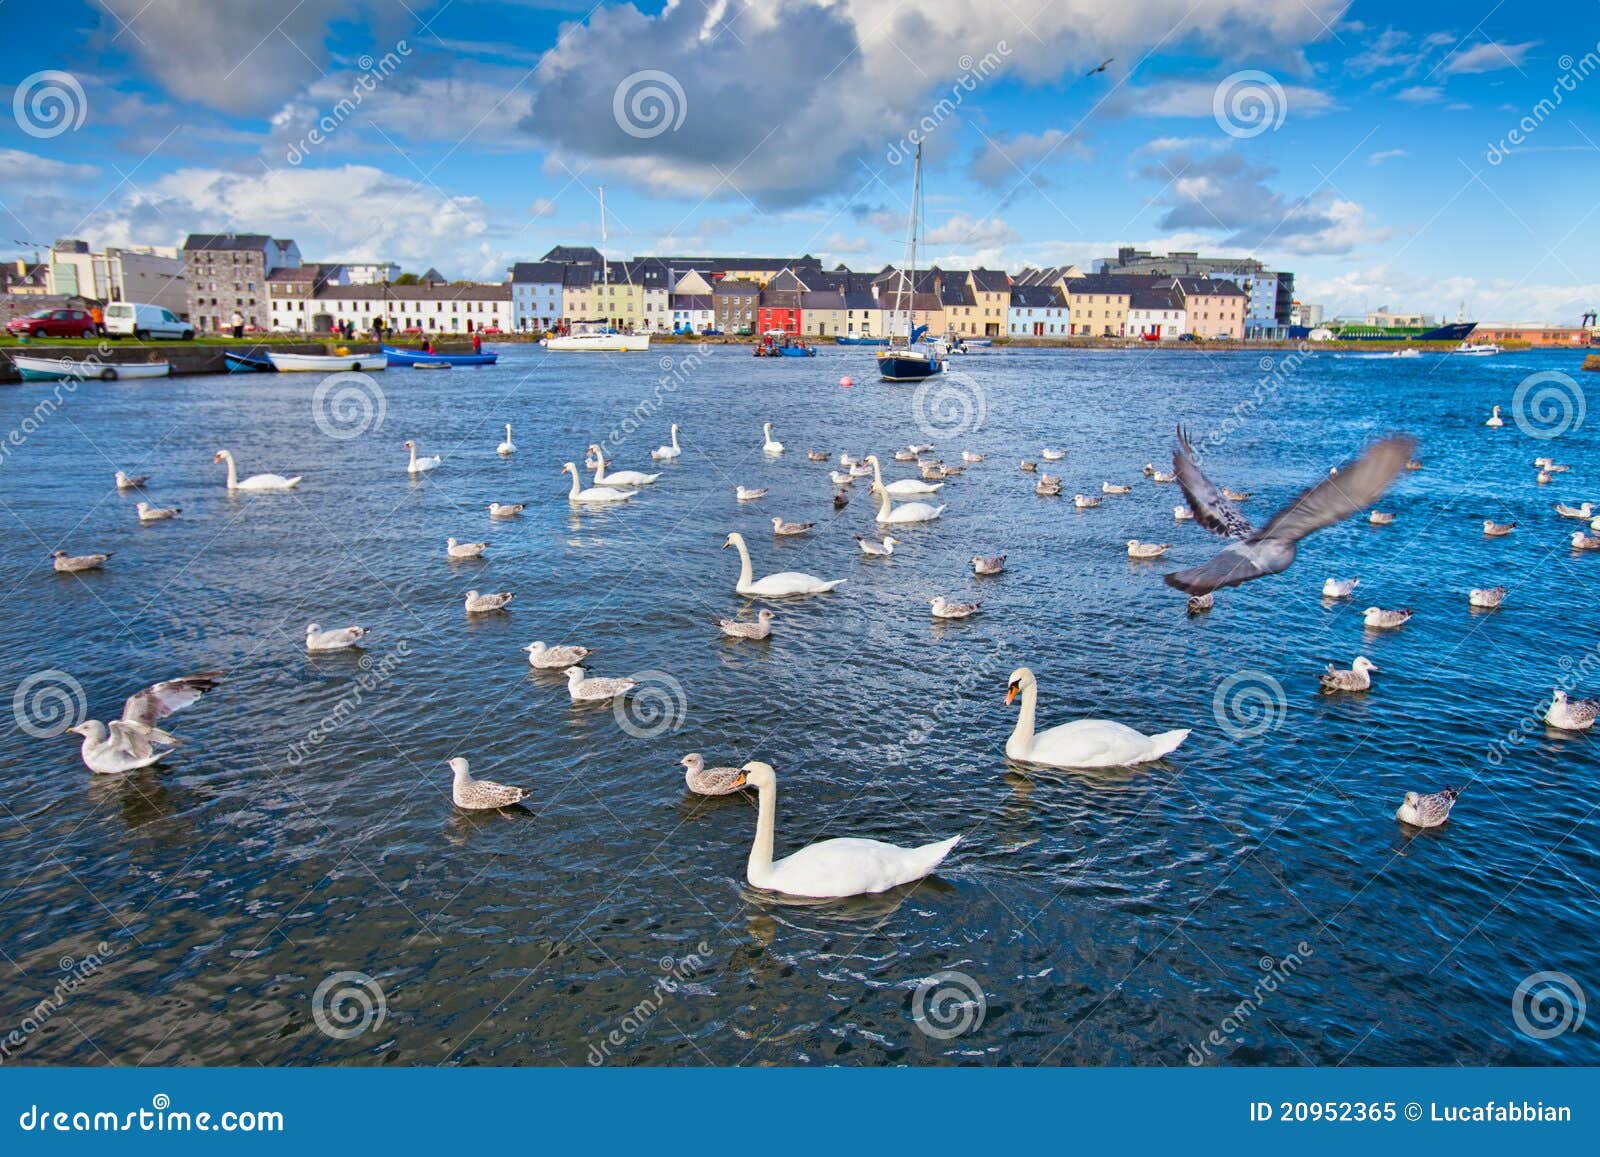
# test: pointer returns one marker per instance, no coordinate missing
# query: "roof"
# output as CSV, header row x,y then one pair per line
x,y
538,272
1036,296
860,299
1152,297
1205,287
463,291
564,254
691,301
822,299
1106,283
954,292
736,289
991,280
580,274
296,273
237,242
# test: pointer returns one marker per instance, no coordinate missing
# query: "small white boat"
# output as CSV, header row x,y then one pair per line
x,y
66,369
327,363
598,341
1476,349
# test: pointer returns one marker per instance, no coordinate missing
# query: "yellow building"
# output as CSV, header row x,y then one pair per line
x,y
1097,304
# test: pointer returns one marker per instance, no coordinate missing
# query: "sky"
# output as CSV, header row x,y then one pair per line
x,y
1426,157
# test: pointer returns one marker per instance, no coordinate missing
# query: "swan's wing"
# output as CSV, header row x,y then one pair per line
x,y
1357,485
1211,509
161,699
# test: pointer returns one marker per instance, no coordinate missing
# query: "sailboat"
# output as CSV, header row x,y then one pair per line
x,y
911,362
598,336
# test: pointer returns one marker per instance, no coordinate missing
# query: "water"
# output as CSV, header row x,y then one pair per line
x,y
1257,888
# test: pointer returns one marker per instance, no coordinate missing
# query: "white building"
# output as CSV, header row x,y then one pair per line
x,y
146,274
360,272
1038,311
469,307
1155,313
692,313
536,294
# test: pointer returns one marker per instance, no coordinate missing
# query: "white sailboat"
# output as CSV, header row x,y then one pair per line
x,y
911,362
598,336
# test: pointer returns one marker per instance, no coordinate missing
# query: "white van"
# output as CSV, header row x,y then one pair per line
x,y
145,321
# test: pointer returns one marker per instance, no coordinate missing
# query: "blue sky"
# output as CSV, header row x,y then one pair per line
x,y
1369,148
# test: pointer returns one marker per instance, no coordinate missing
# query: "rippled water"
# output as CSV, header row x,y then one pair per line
x,y
1108,918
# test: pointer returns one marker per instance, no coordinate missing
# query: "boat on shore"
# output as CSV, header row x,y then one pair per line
x,y
326,363
65,369
405,357
245,364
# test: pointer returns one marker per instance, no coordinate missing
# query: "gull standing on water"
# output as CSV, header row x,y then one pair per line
x,y
134,741
1253,553
476,795
1427,811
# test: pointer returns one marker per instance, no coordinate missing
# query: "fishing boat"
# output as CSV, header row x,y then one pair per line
x,y
842,340
430,365
786,347
65,369
911,362
326,363
598,337
245,364
414,358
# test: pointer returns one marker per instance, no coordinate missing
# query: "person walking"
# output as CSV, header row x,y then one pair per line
x,y
477,343
99,317
237,321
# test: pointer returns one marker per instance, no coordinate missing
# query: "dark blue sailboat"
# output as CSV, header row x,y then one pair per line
x,y
911,362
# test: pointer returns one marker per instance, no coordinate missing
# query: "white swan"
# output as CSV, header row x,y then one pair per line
x,y
788,582
255,481
833,868
621,477
910,512
506,448
1495,419
421,465
667,453
901,485
1083,742
771,445
592,493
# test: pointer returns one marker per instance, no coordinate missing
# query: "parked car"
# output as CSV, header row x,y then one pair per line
x,y
53,323
145,321
1188,337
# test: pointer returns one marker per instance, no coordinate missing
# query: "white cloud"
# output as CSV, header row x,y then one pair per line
x,y
1197,98
1005,160
1421,93
1487,57
27,170
976,232
1383,155
1354,291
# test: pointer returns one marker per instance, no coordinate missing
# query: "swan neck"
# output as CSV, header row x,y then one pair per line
x,y
1022,736
233,472
746,575
674,437
877,474
573,493
759,865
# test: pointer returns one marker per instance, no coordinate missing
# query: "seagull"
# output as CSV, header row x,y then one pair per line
x,y
464,550
841,478
1084,502
1412,465
703,780
743,495
1137,549
1101,67
840,499
905,455
1236,495
65,563
1339,588
1029,467
812,456
943,608
988,564
134,741
759,629
1582,541
1255,553
1198,604
1486,596
1358,677
1584,511
1050,455
148,513
1048,488
477,795
788,529
504,510
1382,620
583,689
131,481
1182,514
1571,714
1162,476
319,640
921,447
1497,529
1109,488
541,655
1543,477
1380,518
1427,811
477,604
877,550
969,456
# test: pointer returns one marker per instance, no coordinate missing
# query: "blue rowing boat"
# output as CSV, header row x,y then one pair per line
x,y
243,364
842,340
404,357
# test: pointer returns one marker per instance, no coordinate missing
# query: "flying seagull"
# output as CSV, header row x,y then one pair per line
x,y
1253,553
1101,67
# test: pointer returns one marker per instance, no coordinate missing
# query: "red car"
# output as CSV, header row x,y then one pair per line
x,y
53,323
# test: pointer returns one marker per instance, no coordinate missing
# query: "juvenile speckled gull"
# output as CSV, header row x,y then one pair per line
x,y
988,564
464,550
1571,714
759,629
783,529
505,510
131,481
1427,811
477,604
583,689
1487,597
481,794
703,780
1494,529
1146,550
1384,620
1358,677
542,656
148,513
944,608
65,563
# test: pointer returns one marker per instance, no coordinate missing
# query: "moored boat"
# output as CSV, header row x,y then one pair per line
x,y
842,340
1475,349
65,369
911,362
326,363
405,357
245,364
599,340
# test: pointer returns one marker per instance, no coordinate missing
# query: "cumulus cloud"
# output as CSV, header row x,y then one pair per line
x,y
28,170
1421,93
1005,160
1354,290
975,232
1490,56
